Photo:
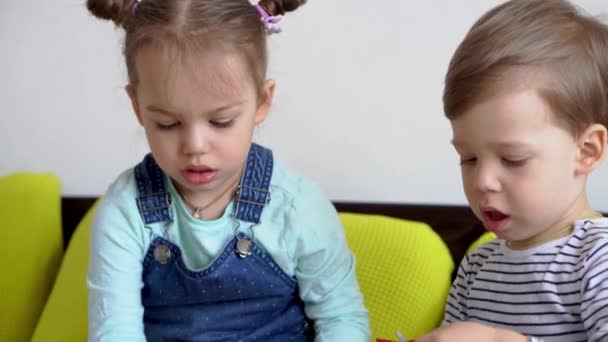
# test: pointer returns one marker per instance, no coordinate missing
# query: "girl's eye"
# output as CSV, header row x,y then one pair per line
x,y
166,127
514,162
468,161
222,124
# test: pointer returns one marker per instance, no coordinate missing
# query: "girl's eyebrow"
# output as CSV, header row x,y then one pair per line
x,y
157,109
153,108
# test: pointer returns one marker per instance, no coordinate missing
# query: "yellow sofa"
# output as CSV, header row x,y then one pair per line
x,y
404,269
32,250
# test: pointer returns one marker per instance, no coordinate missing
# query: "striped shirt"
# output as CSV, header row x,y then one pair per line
x,y
554,292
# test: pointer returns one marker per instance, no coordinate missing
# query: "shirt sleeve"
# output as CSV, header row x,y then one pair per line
x,y
114,276
456,304
594,306
325,270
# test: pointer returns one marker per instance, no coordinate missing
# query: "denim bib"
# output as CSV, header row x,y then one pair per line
x,y
243,295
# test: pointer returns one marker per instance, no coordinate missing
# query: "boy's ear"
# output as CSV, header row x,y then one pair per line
x,y
130,89
265,101
591,148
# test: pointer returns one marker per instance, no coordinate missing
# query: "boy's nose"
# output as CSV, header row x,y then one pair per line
x,y
486,178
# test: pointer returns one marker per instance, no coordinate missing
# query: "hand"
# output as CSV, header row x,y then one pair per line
x,y
470,331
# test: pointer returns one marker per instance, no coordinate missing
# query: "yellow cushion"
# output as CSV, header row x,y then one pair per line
x,y
485,237
64,318
30,217
404,271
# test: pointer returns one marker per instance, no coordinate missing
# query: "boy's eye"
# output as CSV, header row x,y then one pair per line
x,y
222,124
514,162
167,126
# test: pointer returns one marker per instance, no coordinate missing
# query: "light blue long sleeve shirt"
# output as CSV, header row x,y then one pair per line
x,y
300,229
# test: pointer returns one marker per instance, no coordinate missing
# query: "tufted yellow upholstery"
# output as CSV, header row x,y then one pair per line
x,y
404,271
64,318
32,247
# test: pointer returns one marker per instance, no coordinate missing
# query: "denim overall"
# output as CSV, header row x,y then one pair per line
x,y
242,295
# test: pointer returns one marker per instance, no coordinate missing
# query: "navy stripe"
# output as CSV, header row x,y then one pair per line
x,y
531,272
601,337
481,289
461,297
522,303
450,306
594,275
602,247
529,282
461,269
593,299
537,313
532,263
519,324
597,319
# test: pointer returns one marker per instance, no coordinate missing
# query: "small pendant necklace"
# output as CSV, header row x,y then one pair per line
x,y
197,211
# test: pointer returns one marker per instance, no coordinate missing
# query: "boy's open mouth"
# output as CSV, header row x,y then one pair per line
x,y
493,219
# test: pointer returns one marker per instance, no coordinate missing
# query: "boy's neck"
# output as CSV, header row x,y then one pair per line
x,y
562,228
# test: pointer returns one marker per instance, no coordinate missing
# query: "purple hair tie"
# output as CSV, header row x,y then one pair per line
x,y
271,23
134,6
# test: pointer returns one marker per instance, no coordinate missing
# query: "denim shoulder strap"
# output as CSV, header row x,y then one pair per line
x,y
252,193
153,199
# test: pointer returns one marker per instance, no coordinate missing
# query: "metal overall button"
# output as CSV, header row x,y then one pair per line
x,y
244,247
162,254
244,243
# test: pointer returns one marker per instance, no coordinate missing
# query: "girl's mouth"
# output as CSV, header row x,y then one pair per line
x,y
196,175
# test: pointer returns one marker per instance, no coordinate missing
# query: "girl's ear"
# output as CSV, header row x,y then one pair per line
x,y
265,101
130,89
591,148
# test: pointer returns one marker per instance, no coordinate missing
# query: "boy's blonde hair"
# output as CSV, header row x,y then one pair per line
x,y
548,44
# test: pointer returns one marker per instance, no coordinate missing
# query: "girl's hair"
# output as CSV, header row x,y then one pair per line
x,y
548,44
185,28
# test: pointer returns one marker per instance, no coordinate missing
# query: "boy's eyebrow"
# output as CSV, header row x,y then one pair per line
x,y
508,144
497,144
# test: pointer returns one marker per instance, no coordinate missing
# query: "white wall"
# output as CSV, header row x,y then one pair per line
x,y
358,106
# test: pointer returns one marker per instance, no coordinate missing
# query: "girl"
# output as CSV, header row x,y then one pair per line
x,y
209,238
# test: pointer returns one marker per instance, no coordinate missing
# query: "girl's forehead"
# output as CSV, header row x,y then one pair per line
x,y
215,73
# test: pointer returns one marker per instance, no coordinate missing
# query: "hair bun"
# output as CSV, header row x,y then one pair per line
x,y
280,7
117,11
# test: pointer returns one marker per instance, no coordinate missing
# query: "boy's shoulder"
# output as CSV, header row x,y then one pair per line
x,y
591,227
590,235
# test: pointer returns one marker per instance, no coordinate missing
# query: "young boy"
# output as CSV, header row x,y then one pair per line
x,y
526,94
